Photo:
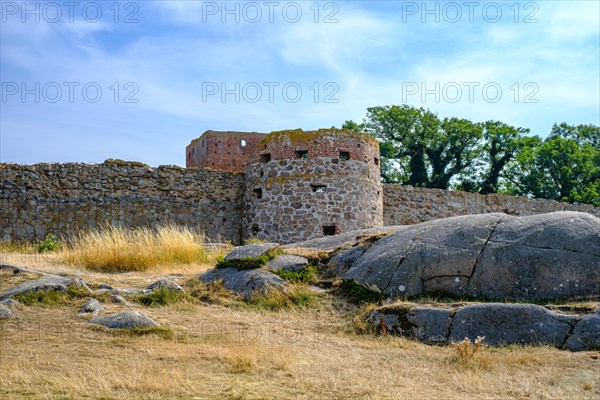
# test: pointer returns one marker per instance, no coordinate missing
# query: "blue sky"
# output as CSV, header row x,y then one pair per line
x,y
138,80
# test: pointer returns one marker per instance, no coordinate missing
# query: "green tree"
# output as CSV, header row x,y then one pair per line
x,y
502,143
564,167
420,150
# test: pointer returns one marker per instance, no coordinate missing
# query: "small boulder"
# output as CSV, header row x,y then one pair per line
x,y
105,286
287,262
91,307
247,283
120,300
586,335
250,251
9,303
165,284
125,320
5,312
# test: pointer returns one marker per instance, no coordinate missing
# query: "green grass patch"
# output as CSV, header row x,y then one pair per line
x,y
359,294
162,297
296,297
249,262
306,275
254,240
52,297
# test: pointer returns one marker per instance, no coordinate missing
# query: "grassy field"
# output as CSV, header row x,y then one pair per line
x,y
225,350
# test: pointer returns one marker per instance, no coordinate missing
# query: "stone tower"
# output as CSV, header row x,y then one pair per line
x,y
303,185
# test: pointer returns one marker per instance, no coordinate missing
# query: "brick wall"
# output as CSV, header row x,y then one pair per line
x,y
225,151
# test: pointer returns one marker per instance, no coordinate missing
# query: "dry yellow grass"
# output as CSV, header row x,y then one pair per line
x,y
223,352
120,249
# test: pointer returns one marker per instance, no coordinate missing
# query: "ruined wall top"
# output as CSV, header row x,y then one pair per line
x,y
222,150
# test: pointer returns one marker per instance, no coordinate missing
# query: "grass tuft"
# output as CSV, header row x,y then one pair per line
x,y
212,293
161,331
359,294
295,297
306,275
466,350
249,262
121,249
52,297
163,297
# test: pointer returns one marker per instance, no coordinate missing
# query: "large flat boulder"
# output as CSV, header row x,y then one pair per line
x,y
45,283
335,243
499,323
287,262
504,324
489,256
247,283
250,251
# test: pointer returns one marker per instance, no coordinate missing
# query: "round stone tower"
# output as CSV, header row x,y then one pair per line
x,y
304,185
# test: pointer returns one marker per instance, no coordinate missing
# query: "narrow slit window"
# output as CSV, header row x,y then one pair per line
x,y
376,160
254,229
318,188
243,143
329,230
258,193
265,158
301,154
344,155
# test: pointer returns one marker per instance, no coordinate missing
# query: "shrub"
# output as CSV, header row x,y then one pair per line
x,y
121,249
50,243
465,349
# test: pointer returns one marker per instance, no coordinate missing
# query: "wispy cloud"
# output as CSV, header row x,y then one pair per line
x,y
369,55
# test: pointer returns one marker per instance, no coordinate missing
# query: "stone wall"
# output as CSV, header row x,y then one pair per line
x,y
403,205
61,198
294,200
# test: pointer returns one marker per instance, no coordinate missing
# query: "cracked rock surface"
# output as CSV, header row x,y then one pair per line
x,y
488,256
500,323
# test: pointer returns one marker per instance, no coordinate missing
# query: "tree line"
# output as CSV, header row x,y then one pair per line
x,y
420,149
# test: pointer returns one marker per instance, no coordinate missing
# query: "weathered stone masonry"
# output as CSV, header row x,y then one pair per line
x,y
304,185
309,184
405,205
61,198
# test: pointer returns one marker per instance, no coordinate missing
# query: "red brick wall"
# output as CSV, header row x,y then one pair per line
x,y
222,150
